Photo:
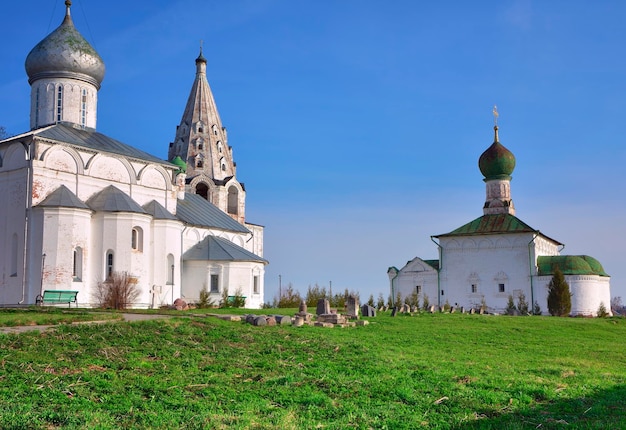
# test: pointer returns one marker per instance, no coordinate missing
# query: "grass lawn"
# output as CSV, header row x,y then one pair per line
x,y
426,371
50,315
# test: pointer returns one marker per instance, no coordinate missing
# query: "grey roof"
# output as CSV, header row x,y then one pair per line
x,y
112,199
91,139
62,197
219,249
195,210
157,211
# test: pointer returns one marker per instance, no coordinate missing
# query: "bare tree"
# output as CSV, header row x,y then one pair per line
x,y
3,133
119,291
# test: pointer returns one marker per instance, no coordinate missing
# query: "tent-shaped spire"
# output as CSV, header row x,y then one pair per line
x,y
201,140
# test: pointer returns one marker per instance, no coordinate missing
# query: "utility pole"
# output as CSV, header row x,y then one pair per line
x,y
280,287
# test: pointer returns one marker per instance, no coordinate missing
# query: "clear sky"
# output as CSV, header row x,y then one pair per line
x,y
357,125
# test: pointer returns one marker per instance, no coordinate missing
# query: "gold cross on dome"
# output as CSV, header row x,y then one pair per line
x,y
495,115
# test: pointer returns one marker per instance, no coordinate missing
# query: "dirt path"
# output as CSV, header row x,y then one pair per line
x,y
126,317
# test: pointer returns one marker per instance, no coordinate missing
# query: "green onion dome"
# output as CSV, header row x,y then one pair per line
x,y
496,162
182,166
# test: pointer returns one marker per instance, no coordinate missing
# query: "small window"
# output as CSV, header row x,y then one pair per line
x,y
199,163
233,200
136,241
170,269
474,288
202,190
214,128
200,130
200,146
77,265
59,103
219,146
223,167
109,264
83,108
501,288
442,292
255,285
215,288
418,289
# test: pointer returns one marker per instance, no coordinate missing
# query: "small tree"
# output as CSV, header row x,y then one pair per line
x,y
446,306
381,301
425,303
559,297
398,302
522,304
390,300
205,301
3,133
119,291
313,294
510,306
602,312
616,305
536,308
290,298
370,301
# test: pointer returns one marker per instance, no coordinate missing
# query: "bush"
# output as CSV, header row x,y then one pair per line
x,y
559,297
119,291
522,304
381,301
235,301
602,312
205,301
510,306
536,308
426,303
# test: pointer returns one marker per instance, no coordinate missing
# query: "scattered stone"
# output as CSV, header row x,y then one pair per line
x,y
283,319
452,309
180,305
303,308
260,321
393,311
271,321
298,321
332,318
250,318
231,318
432,309
462,309
324,324
414,309
472,311
362,322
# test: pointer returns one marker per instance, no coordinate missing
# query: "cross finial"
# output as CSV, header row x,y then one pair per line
x,y
201,45
495,115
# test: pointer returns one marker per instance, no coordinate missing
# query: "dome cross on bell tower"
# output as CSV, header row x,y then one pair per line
x,y
496,164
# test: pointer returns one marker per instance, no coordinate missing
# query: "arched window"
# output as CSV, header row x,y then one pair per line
x,y
202,190
136,241
219,146
109,267
233,200
170,269
77,264
199,163
59,102
13,270
214,128
255,284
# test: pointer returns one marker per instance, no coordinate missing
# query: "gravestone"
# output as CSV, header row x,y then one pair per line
x,y
298,321
352,307
393,311
323,307
452,309
303,308
260,321
472,311
432,309
368,311
462,309
271,321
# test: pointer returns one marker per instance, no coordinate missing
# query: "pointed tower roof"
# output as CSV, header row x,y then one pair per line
x,y
65,53
201,140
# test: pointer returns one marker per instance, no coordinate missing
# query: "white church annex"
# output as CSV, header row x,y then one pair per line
x,y
78,205
497,255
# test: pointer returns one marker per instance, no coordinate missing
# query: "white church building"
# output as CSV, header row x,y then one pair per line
x,y
78,205
497,255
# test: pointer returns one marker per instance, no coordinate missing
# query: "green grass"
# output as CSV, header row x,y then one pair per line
x,y
427,371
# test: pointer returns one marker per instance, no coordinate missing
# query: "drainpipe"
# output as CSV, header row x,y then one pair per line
x,y
530,268
29,204
393,291
438,272
180,265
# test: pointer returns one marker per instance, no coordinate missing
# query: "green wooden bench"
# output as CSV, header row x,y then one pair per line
x,y
57,296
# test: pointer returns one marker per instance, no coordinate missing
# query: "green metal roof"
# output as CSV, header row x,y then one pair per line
x,y
432,263
569,265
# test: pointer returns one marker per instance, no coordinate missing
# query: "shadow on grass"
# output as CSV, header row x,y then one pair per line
x,y
606,409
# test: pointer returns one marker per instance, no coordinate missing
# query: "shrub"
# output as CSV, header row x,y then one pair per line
x,y
290,298
205,301
522,304
119,291
313,294
426,303
602,312
370,301
446,306
536,308
235,301
510,306
559,297
381,301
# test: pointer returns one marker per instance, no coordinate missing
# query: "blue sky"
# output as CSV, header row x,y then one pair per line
x,y
357,125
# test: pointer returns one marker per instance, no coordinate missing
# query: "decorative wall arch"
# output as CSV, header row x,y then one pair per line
x,y
57,157
94,168
151,168
15,156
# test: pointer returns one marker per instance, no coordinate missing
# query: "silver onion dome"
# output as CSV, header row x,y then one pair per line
x,y
65,53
